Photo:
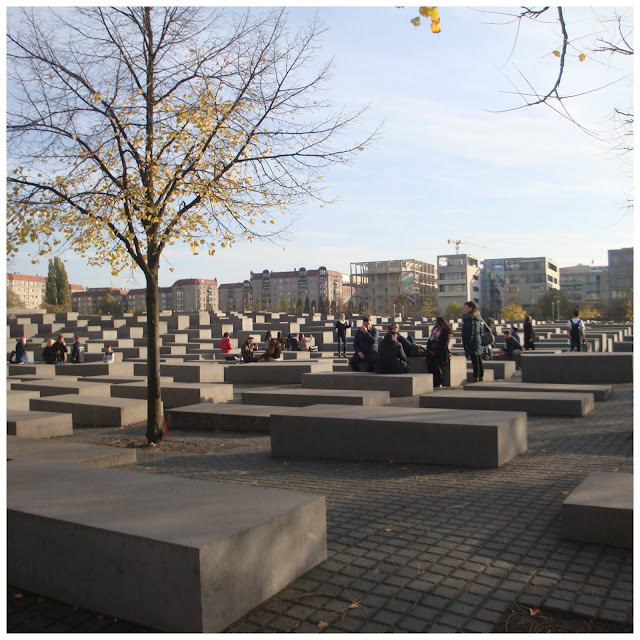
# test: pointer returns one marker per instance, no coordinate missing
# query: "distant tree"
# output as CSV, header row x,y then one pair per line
x,y
267,304
454,310
322,305
513,310
51,287
429,308
248,306
314,307
139,311
108,306
590,312
299,305
257,304
63,293
548,309
307,305
283,305
14,301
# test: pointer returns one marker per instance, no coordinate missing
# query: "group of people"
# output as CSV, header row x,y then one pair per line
x,y
273,347
57,352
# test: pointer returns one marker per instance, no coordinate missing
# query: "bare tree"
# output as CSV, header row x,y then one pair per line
x,y
132,128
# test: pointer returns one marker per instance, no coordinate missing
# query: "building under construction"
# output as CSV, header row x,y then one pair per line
x,y
392,286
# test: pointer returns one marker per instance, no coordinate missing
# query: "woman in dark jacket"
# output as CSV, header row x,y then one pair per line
x,y
529,334
391,356
49,354
438,349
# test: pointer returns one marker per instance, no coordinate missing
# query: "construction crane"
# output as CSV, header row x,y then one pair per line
x,y
471,244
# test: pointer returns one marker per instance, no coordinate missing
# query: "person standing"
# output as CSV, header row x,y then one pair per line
x,y
575,332
49,352
21,351
529,334
365,346
438,350
61,351
77,351
341,334
472,338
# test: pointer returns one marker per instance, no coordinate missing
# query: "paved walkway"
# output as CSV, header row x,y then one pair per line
x,y
418,548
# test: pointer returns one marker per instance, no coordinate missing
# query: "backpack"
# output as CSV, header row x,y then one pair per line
x,y
576,330
488,338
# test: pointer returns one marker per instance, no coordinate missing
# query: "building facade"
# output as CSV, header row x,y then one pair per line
x,y
458,280
86,302
31,289
620,274
585,284
523,280
270,289
235,296
195,294
390,286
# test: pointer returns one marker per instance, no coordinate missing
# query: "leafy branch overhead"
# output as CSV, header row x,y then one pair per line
x,y
432,14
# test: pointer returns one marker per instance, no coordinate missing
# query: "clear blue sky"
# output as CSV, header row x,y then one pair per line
x,y
523,183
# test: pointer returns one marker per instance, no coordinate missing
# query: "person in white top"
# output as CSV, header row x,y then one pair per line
x,y
575,332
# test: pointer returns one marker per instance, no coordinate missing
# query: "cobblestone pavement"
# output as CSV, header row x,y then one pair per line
x,y
418,548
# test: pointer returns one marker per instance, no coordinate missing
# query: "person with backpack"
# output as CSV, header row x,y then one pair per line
x,y
575,332
488,341
529,334
512,348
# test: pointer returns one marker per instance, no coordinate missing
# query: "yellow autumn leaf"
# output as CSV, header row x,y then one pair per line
x,y
424,11
322,624
582,57
415,22
435,27
534,612
557,54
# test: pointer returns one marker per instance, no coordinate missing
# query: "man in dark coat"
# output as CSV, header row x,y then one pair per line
x,y
365,345
472,338
391,358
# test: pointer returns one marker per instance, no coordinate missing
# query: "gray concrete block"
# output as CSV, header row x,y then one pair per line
x,y
600,391
222,417
44,370
600,510
305,397
95,411
578,368
95,369
454,371
186,371
401,384
287,372
488,375
20,400
623,346
502,369
38,424
61,451
58,387
177,394
422,436
174,554
535,403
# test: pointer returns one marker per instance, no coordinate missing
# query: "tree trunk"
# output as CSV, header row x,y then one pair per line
x,y
154,405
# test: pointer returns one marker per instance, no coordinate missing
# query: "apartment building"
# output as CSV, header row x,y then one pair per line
x,y
585,284
31,289
385,286
458,280
270,287
185,296
524,280
620,274
235,296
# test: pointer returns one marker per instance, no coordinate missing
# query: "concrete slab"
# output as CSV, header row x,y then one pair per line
x,y
61,451
578,368
177,555
38,424
533,402
287,372
222,417
95,369
600,392
422,436
20,400
454,371
97,411
600,510
502,369
121,379
58,387
401,384
177,394
488,375
186,371
305,397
